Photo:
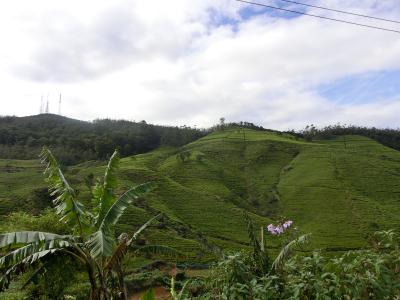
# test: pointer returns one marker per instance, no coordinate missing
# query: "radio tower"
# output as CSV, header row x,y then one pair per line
x,y
47,106
59,106
41,105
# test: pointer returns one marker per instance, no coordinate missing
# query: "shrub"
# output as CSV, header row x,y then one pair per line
x,y
366,274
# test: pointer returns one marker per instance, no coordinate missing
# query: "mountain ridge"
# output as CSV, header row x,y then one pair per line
x,y
75,141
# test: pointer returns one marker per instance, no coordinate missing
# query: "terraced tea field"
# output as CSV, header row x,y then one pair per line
x,y
339,190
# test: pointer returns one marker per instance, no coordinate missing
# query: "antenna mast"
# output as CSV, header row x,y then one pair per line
x,y
41,105
47,105
59,106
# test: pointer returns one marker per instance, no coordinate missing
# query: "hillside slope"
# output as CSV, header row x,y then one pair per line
x,y
340,190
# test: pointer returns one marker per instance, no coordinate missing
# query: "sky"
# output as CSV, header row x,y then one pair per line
x,y
191,62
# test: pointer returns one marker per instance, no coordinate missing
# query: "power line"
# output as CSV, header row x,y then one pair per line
x,y
341,11
317,16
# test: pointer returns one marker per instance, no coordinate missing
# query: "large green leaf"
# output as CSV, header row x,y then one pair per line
x,y
117,209
20,259
143,227
101,243
103,193
67,206
26,237
288,250
32,252
124,243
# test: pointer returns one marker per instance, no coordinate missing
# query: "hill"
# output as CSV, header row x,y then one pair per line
x,y
75,141
340,189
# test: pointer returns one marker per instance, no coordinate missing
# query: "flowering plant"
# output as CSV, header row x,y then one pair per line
x,y
280,228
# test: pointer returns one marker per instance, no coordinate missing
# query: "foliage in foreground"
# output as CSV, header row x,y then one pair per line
x,y
368,274
373,273
91,240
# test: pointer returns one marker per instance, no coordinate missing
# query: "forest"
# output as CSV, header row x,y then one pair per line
x,y
75,141
388,137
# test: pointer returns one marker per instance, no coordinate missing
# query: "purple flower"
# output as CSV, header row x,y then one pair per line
x,y
271,227
279,229
287,224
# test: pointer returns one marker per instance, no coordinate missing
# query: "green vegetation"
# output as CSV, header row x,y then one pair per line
x,y
340,189
91,240
74,141
367,274
388,137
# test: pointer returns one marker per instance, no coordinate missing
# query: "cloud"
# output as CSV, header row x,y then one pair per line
x,y
68,49
191,62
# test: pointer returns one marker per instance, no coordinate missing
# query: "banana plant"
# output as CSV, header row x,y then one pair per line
x,y
91,241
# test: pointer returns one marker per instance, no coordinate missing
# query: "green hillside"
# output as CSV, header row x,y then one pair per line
x,y
339,190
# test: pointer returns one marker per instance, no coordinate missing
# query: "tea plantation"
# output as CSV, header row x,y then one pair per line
x,y
339,190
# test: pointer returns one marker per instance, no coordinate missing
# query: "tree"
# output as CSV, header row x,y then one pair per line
x,y
310,132
222,123
74,141
91,240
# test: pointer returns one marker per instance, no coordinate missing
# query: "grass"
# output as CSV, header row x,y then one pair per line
x,y
339,190
19,179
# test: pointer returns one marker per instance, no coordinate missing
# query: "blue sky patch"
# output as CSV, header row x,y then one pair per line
x,y
249,11
363,88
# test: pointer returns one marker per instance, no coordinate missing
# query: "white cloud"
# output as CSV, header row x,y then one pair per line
x,y
170,62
